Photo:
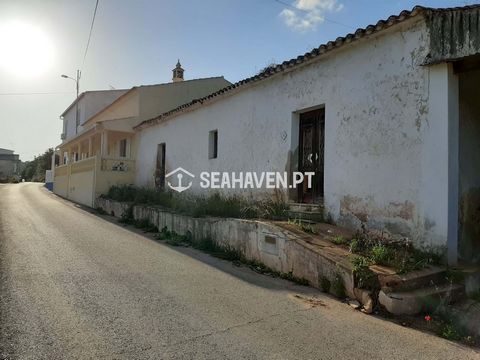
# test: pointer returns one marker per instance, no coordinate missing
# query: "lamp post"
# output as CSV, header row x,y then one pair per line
x,y
77,83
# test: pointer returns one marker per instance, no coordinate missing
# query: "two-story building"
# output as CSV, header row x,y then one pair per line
x,y
99,148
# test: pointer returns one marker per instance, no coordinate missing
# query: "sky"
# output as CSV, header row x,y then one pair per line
x,y
138,42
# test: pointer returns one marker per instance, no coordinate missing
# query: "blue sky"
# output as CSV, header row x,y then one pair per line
x,y
138,42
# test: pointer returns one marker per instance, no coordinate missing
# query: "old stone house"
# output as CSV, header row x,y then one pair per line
x,y
388,118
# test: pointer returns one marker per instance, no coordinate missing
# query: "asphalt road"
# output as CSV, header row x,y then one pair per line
x,y
76,286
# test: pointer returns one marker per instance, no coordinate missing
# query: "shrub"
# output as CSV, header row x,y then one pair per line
x,y
364,277
340,240
450,332
380,254
354,246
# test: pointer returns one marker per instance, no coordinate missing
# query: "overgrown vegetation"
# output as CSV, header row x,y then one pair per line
x,y
339,240
199,206
364,277
35,170
303,225
378,250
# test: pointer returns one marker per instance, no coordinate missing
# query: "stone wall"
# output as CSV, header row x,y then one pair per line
x,y
265,242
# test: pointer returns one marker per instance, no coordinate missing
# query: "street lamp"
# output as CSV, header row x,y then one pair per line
x,y
77,83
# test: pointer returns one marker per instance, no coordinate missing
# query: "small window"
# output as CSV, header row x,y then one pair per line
x,y
213,144
123,148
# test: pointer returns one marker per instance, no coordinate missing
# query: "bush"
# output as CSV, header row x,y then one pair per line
x,y
364,277
380,254
340,240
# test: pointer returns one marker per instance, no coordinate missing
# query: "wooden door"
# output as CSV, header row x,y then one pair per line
x,y
160,168
312,154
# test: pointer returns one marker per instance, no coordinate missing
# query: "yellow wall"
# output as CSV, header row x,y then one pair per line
x,y
106,178
60,185
81,187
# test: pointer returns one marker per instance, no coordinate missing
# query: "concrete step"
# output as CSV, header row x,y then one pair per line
x,y
301,207
429,276
470,276
305,216
424,299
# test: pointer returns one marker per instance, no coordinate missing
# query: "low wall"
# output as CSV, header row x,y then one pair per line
x,y
81,187
265,242
60,185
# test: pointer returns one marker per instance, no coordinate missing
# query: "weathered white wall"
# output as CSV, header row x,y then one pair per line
x,y
376,99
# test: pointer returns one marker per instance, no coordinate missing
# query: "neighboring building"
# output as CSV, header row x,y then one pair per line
x,y
9,165
388,118
86,105
103,151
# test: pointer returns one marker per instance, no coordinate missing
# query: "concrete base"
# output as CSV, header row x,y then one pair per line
x,y
415,301
283,247
277,247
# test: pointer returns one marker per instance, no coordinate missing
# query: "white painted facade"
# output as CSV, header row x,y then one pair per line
x,y
88,104
389,144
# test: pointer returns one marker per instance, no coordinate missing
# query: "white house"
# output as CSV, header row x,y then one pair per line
x,y
100,151
85,106
388,118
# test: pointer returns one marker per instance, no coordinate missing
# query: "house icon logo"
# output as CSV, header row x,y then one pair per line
x,y
180,174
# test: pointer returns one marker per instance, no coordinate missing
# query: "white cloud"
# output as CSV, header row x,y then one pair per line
x,y
310,13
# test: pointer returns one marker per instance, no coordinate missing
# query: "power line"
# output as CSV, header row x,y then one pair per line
x,y
307,12
90,34
33,93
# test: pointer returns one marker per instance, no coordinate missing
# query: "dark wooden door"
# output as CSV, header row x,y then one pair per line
x,y
312,154
160,168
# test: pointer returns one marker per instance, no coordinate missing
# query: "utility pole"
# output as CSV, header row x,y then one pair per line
x,y
77,83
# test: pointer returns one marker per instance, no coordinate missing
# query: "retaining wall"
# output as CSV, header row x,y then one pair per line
x,y
265,242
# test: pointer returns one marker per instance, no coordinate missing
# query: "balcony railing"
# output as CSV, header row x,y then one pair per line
x,y
117,164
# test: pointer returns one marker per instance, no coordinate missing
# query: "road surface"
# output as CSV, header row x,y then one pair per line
x,y
76,286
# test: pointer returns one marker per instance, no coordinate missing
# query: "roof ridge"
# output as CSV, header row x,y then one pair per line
x,y
184,81
287,64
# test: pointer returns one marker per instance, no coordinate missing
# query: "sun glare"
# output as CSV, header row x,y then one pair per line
x,y
25,50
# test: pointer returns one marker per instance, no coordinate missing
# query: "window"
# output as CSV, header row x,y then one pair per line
x,y
213,144
123,148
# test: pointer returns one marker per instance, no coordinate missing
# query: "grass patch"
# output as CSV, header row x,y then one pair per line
x,y
401,256
215,204
303,225
340,240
